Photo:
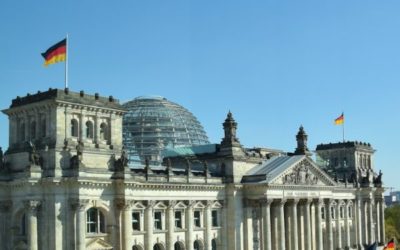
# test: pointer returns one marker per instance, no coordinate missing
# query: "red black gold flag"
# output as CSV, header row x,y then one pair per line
x,y
56,53
339,120
390,245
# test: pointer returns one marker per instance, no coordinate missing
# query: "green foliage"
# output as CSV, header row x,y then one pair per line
x,y
392,223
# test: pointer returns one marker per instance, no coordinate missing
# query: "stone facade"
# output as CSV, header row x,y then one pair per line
x,y
65,184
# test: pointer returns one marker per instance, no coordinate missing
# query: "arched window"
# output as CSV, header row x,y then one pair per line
x,y
95,221
103,131
74,128
137,247
197,245
178,246
213,244
158,246
89,129
33,130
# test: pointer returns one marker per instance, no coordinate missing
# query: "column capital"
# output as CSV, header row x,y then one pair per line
x,y
79,204
123,204
5,206
32,205
151,204
266,202
306,201
281,202
191,203
320,202
172,204
209,203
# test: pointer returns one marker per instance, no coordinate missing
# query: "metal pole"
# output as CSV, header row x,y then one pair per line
x,y
66,62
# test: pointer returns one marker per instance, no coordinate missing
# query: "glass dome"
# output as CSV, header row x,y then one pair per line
x,y
153,123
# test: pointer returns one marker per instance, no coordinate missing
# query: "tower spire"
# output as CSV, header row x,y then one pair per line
x,y
302,138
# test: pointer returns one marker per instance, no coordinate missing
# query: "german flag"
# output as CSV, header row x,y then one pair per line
x,y
390,245
56,53
339,120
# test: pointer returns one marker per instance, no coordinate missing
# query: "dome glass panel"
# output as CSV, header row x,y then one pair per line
x,y
153,123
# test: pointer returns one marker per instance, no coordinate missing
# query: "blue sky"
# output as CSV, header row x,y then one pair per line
x,y
274,64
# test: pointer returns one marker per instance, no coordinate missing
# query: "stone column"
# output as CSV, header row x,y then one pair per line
x,y
149,225
170,225
366,224
371,221
5,235
282,224
359,223
96,128
378,223
320,240
266,223
247,232
338,226
295,240
209,225
301,226
329,228
80,222
126,225
189,225
313,226
31,208
347,224
307,225
81,131
382,220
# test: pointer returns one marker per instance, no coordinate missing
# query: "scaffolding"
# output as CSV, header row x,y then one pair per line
x,y
153,123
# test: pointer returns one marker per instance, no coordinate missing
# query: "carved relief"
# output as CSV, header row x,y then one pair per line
x,y
301,174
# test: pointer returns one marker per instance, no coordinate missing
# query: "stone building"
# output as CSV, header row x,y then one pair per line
x,y
65,184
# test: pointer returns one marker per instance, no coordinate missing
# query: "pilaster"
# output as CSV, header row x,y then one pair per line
x,y
31,208
80,224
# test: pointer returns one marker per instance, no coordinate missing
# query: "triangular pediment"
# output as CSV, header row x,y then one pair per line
x,y
180,205
97,244
289,170
303,172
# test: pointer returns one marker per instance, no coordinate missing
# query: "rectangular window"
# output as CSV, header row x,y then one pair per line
x,y
91,221
341,212
323,213
196,218
136,221
214,218
157,221
350,212
332,212
178,219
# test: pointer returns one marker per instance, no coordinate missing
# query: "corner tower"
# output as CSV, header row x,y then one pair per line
x,y
59,130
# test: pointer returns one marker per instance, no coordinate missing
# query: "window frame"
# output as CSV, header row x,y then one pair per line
x,y
197,219
137,222
215,218
97,220
158,225
178,219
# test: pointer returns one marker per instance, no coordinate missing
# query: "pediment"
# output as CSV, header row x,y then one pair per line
x,y
160,205
303,172
138,206
199,205
216,204
180,205
98,244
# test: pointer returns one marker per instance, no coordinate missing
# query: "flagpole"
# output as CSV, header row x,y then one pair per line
x,y
343,126
66,62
